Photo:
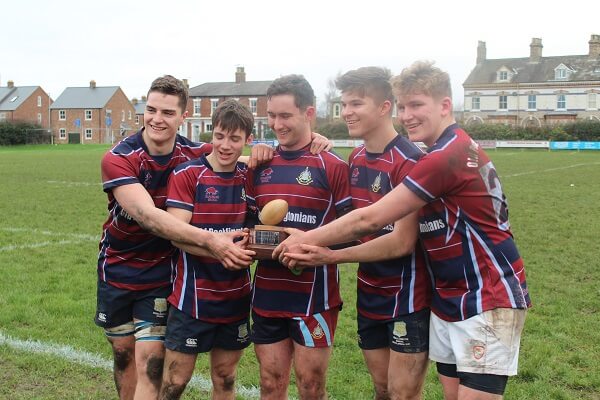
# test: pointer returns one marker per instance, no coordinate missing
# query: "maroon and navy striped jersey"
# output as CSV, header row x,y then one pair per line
x,y
131,257
203,288
317,190
465,230
389,288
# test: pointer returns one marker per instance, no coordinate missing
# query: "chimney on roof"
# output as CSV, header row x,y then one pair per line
x,y
594,46
92,84
10,84
481,52
240,75
134,101
185,83
535,52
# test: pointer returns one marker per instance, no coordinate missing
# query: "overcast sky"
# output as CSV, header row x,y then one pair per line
x,y
63,43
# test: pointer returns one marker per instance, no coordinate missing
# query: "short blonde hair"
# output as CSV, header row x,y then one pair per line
x,y
422,78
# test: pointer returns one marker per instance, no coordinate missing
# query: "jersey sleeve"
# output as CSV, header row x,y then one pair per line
x,y
118,170
339,181
181,189
435,175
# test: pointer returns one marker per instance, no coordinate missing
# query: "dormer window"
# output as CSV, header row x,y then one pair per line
x,y
562,72
502,75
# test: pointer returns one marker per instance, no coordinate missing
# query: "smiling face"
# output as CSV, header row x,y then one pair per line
x,y
290,124
162,117
227,148
362,114
424,117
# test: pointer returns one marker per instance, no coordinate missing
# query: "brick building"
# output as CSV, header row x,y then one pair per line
x,y
205,98
93,114
24,103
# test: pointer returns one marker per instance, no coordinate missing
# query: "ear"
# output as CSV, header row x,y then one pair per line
x,y
310,112
386,107
249,139
446,104
184,115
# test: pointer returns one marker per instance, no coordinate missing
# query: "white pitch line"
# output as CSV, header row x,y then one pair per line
x,y
75,238
549,170
69,183
36,245
96,361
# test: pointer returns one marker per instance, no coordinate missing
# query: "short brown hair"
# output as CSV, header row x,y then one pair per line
x,y
295,85
230,115
422,78
367,81
168,84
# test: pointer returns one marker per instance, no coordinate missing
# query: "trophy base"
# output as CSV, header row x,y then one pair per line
x,y
264,239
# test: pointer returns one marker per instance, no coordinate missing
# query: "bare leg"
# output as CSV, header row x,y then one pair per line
x,y
124,366
407,375
149,359
275,361
377,361
223,365
177,372
310,365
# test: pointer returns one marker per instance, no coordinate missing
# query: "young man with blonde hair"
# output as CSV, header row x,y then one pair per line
x,y
480,295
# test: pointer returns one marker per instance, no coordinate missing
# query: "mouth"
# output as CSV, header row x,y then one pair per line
x,y
411,127
351,122
157,128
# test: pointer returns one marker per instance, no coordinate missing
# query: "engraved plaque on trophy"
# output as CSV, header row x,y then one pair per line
x,y
264,238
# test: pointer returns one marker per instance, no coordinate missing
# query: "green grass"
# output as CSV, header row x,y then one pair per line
x,y
51,213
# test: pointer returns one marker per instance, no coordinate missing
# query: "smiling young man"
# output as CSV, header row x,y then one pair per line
x,y
210,304
295,316
480,295
134,263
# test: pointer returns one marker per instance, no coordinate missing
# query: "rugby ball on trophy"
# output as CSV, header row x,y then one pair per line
x,y
273,212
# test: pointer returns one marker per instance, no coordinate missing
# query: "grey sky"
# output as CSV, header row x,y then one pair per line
x,y
67,43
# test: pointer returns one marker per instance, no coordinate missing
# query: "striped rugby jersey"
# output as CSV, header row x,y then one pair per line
x,y
203,288
465,230
131,257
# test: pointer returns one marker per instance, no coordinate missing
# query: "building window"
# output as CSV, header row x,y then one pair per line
x,y
62,133
252,102
592,105
197,103
476,103
208,127
336,110
214,103
2,116
502,103
39,118
502,75
129,115
560,73
561,102
39,103
88,115
62,115
531,102
88,134
137,119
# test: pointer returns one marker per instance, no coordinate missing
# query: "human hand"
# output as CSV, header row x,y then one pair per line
x,y
310,256
320,143
232,255
260,154
291,244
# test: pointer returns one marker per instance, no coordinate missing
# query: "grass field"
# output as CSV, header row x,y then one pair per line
x,y
52,207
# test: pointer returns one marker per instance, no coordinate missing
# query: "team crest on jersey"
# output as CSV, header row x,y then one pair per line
x,y
478,349
376,186
211,194
242,333
354,177
160,306
305,178
265,175
399,328
147,179
317,333
243,196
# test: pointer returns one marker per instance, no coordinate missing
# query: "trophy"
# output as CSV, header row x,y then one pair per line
x,y
264,238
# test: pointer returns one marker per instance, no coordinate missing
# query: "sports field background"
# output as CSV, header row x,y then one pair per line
x,y
52,208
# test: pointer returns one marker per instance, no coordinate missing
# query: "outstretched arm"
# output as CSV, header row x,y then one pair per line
x,y
356,224
400,242
138,203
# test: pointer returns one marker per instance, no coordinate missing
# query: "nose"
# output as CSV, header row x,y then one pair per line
x,y
346,111
276,124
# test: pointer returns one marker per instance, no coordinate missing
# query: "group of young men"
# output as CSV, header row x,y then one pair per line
x,y
439,275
